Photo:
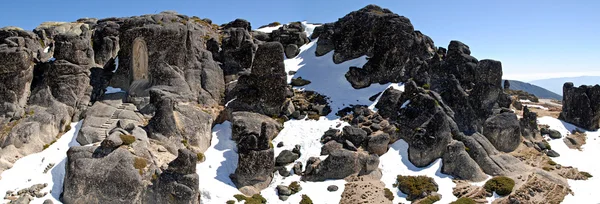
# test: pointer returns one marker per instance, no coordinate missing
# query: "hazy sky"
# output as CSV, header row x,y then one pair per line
x,y
534,39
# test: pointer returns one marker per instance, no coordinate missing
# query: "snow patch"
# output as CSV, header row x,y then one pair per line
x,y
269,29
584,191
116,64
395,162
535,106
47,49
221,161
29,170
111,90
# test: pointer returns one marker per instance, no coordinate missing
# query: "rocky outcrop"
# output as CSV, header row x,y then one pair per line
x,y
581,106
457,162
237,49
395,50
264,89
529,125
179,183
291,36
179,125
256,162
167,51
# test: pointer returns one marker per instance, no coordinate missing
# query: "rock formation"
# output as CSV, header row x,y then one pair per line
x,y
581,106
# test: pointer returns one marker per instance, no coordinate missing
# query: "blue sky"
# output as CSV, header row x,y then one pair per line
x,y
534,39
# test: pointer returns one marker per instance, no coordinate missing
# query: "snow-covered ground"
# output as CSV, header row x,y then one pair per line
x,y
585,160
269,29
535,106
395,162
29,170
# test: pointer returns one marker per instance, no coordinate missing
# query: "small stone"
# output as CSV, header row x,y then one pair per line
x,y
297,150
283,190
162,149
375,127
280,144
48,201
552,153
332,188
297,168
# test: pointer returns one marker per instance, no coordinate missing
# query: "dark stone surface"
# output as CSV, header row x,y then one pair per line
x,y
581,106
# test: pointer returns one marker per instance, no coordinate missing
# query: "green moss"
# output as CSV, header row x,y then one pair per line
x,y
230,202
306,200
501,185
239,197
415,187
550,162
546,168
467,148
427,86
295,187
586,174
430,199
185,143
42,43
464,201
200,156
547,145
48,145
139,163
154,176
255,199
388,194
127,139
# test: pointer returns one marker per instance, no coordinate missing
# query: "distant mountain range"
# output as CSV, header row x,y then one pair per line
x,y
555,85
533,89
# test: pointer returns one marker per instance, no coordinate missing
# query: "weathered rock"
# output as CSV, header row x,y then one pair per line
x,y
554,134
581,106
244,123
286,157
528,123
457,162
297,168
503,131
388,103
341,164
378,144
355,135
552,153
332,188
179,183
264,90
291,50
330,147
255,171
86,164
400,50
364,192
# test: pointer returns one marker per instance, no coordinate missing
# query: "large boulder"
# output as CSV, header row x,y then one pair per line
x,y
396,51
341,164
457,162
503,131
92,176
529,125
264,89
581,106
178,184
244,123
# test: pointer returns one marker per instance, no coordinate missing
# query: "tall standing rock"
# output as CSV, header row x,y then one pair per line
x,y
581,106
264,89
503,131
256,162
18,52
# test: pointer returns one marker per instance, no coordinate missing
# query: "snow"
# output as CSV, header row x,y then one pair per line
x,y
110,90
116,64
584,191
47,49
328,78
395,162
269,29
535,106
524,101
29,170
307,134
221,161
